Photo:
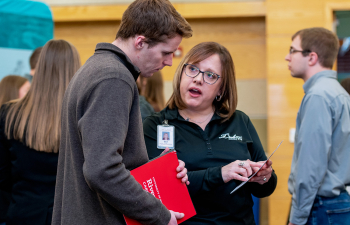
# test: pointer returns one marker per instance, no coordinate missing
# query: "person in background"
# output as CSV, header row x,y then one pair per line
x,y
32,62
102,136
346,84
218,143
13,87
151,94
23,90
10,88
154,91
320,168
30,131
145,107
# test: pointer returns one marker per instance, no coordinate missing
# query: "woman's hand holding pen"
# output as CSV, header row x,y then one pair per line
x,y
239,170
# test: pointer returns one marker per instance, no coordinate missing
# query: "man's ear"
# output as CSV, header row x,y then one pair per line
x,y
313,58
139,42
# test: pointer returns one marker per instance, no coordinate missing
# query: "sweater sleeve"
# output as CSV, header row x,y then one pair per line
x,y
5,162
258,154
104,127
200,180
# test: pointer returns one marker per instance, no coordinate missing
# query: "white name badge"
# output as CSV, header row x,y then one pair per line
x,y
165,136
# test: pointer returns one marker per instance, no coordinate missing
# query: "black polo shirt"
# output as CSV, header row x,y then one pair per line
x,y
205,152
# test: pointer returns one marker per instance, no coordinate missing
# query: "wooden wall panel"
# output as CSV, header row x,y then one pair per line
x,y
187,10
284,17
243,37
85,35
284,93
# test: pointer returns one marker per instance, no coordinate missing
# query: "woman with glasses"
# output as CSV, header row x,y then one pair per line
x,y
30,131
218,143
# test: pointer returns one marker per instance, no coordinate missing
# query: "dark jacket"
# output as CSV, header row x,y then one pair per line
x,y
204,153
145,108
101,141
4,205
29,176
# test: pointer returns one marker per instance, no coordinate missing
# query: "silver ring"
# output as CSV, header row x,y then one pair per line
x,y
264,179
241,164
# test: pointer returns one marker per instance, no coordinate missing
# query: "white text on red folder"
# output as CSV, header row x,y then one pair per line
x,y
148,186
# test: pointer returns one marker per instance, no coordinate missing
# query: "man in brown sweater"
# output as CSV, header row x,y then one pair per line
x,y
102,136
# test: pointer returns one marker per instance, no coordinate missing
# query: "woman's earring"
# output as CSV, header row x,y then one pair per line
x,y
218,98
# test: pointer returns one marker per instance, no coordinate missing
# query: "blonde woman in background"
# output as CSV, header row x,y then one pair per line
x,y
154,91
13,87
30,131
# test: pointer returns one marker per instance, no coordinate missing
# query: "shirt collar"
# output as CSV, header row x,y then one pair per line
x,y
326,73
124,59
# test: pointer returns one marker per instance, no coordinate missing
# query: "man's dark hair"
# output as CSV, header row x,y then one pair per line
x,y
154,19
321,41
34,57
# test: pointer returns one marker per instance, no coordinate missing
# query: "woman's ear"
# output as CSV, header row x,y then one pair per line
x,y
219,95
219,92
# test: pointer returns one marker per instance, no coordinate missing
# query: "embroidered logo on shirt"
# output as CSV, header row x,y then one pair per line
x,y
231,138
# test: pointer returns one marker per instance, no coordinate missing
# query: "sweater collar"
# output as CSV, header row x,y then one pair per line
x,y
124,59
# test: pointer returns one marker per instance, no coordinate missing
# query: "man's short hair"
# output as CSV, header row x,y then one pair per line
x,y
321,41
154,19
34,57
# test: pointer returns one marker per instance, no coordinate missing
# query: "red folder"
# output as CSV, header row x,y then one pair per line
x,y
158,177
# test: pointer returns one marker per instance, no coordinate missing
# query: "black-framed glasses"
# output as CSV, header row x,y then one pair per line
x,y
208,77
292,50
